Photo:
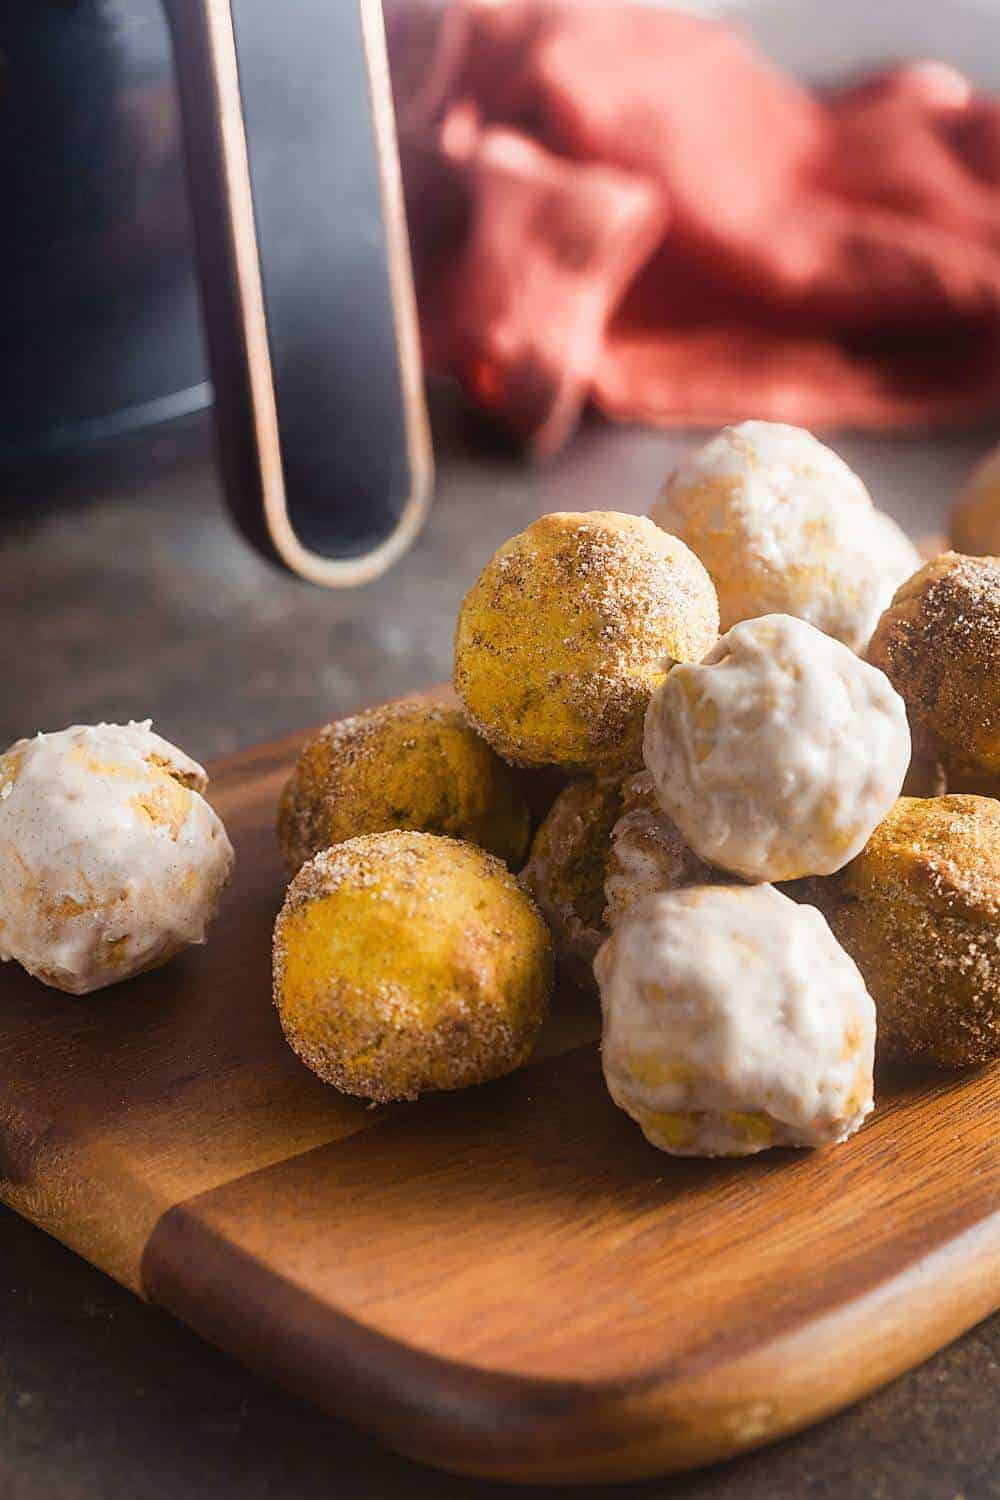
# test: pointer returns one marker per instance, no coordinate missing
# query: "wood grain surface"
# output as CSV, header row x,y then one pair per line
x,y
509,1281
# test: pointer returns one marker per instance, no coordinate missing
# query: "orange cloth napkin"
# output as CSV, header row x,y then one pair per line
x,y
633,207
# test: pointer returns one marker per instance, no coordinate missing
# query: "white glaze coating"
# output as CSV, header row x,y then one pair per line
x,y
111,860
785,527
648,852
780,753
734,1021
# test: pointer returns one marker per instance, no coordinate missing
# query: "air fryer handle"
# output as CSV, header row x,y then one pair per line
x,y
306,280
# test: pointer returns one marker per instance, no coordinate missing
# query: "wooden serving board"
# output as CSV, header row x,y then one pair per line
x,y
506,1282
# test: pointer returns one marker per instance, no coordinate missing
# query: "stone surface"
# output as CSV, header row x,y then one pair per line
x,y
136,598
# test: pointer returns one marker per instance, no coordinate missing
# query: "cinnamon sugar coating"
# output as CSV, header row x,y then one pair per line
x,y
566,633
919,912
939,645
565,872
405,962
407,764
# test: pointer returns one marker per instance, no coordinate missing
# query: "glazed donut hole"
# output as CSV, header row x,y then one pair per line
x,y
406,962
785,527
111,859
779,754
565,633
733,1022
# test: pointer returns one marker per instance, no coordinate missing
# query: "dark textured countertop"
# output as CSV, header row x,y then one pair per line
x,y
135,598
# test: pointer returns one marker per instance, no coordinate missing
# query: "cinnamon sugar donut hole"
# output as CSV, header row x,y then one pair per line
x,y
565,872
919,912
566,633
405,962
408,764
939,645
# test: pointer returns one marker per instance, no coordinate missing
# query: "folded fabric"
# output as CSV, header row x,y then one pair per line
x,y
614,203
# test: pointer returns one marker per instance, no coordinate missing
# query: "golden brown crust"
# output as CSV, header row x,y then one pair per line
x,y
919,912
407,764
562,638
406,962
565,872
939,644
